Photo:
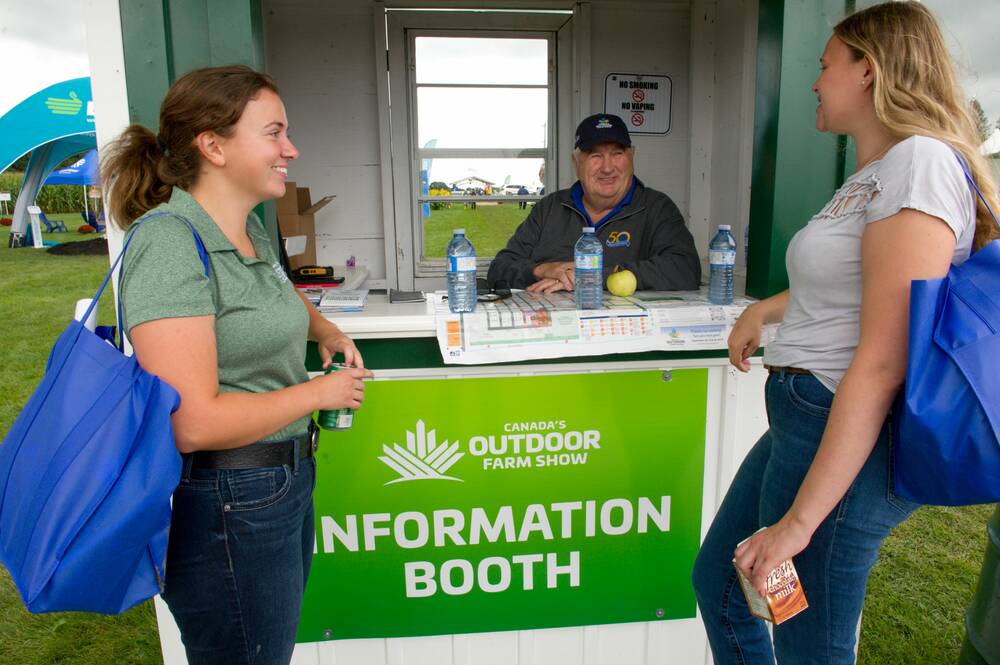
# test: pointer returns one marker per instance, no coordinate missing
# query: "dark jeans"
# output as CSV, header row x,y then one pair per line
x,y
241,542
833,568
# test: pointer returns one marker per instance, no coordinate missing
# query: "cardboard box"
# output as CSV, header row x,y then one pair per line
x,y
295,218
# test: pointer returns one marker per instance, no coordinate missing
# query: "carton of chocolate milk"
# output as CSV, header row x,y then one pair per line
x,y
784,598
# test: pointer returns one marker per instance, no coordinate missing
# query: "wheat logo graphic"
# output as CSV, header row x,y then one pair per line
x,y
63,106
422,458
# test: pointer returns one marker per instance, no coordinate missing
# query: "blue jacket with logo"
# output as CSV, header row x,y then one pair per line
x,y
647,236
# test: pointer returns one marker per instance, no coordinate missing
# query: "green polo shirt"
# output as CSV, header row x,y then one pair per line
x,y
261,325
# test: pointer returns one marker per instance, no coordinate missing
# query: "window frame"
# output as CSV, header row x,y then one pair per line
x,y
403,232
436,268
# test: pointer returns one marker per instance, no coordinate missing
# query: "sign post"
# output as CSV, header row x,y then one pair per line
x,y
36,227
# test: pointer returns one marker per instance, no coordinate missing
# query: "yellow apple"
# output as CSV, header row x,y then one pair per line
x,y
621,282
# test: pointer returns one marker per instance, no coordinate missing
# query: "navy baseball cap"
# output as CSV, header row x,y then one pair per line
x,y
601,128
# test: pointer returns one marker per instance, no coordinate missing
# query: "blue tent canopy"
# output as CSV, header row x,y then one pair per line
x,y
54,123
60,110
85,171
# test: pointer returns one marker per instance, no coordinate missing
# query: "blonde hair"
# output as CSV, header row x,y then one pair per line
x,y
139,169
916,91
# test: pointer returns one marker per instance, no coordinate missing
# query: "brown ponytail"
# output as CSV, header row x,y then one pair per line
x,y
139,169
129,164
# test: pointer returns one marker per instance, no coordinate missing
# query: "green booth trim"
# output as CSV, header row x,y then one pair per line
x,y
423,353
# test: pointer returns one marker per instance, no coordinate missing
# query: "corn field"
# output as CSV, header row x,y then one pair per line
x,y
51,198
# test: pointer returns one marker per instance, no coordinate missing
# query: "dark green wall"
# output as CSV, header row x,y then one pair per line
x,y
166,38
795,168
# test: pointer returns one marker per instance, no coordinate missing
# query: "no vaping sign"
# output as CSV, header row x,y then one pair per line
x,y
641,100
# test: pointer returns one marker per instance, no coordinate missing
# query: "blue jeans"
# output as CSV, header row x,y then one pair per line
x,y
833,568
241,542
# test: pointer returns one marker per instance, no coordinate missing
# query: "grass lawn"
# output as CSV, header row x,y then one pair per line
x,y
917,597
488,227
919,590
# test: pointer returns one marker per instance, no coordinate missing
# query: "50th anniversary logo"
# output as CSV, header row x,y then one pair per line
x,y
463,505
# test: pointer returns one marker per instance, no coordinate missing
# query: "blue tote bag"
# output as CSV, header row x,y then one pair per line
x,y
946,419
86,475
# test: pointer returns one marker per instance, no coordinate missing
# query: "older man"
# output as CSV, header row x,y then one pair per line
x,y
641,229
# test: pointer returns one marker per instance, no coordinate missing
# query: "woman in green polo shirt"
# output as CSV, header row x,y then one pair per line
x,y
208,309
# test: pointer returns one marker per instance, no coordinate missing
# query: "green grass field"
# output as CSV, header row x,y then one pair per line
x,y
488,227
916,600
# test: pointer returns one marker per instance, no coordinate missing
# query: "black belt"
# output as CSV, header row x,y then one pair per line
x,y
787,370
260,454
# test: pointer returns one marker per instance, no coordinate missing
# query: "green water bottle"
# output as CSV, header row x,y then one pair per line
x,y
336,419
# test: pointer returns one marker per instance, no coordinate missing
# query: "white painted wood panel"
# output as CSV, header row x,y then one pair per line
x,y
107,83
420,650
356,212
702,109
321,55
305,654
337,126
649,38
735,88
558,646
170,636
354,652
615,644
671,643
486,648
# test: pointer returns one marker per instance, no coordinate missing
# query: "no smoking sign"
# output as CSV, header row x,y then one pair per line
x,y
641,100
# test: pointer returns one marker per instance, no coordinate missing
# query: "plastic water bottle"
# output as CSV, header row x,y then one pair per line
x,y
588,257
461,273
721,261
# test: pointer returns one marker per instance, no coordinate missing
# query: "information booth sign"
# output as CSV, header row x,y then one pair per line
x,y
481,504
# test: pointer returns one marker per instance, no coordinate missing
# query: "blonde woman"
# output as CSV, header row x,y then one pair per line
x,y
820,479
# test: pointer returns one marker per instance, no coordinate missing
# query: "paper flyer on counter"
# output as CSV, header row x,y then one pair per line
x,y
529,326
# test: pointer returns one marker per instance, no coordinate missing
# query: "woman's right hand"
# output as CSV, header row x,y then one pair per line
x,y
744,340
343,388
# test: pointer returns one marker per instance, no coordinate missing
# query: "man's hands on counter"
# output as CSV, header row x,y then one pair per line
x,y
553,276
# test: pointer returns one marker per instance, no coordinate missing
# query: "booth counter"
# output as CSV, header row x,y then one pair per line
x,y
534,512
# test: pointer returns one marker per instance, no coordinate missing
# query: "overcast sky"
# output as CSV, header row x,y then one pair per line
x,y
970,27
43,42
